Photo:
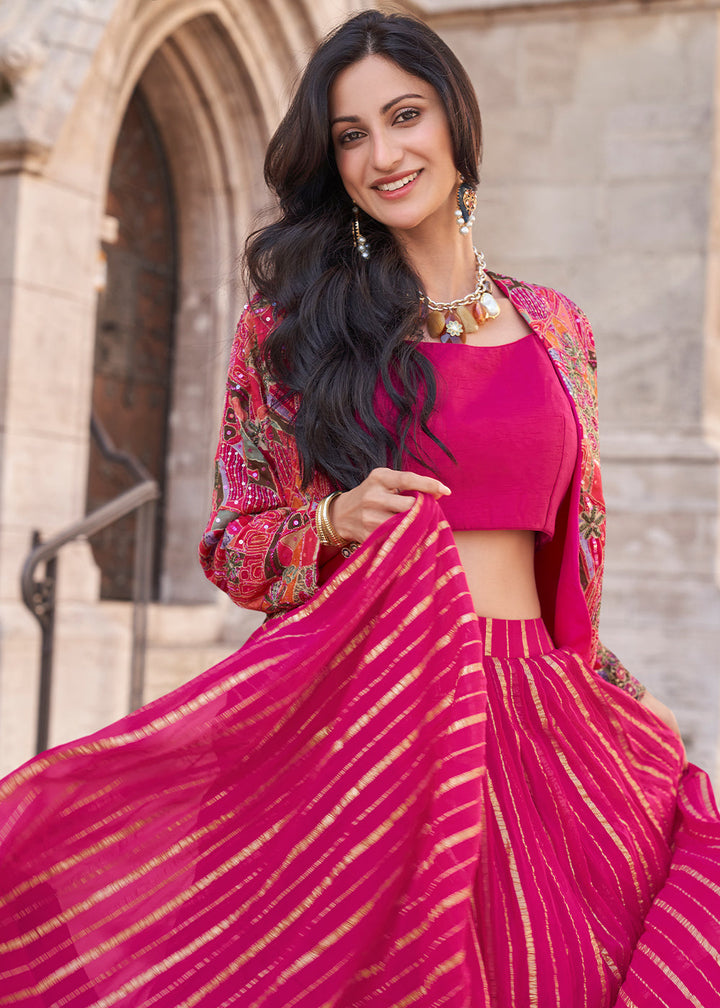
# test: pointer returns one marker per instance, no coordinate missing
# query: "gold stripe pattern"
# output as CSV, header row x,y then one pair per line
x,y
385,807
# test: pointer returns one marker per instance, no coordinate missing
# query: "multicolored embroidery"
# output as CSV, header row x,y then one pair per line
x,y
261,546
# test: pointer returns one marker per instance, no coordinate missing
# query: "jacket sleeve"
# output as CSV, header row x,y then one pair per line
x,y
610,668
260,545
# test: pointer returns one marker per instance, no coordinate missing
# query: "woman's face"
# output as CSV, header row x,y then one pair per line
x,y
392,145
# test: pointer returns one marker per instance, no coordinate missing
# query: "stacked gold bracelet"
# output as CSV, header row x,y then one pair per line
x,y
325,529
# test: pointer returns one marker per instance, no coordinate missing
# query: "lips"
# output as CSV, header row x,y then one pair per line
x,y
394,184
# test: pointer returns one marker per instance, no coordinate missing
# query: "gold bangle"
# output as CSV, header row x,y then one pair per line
x,y
326,531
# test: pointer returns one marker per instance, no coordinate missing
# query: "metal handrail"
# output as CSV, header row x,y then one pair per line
x,y
39,594
97,520
113,454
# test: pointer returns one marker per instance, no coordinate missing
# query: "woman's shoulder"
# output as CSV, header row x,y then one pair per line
x,y
258,319
538,299
552,314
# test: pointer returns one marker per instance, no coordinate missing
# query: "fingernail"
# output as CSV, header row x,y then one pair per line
x,y
445,489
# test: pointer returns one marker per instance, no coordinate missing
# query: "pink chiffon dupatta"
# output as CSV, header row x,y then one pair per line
x,y
292,827
301,826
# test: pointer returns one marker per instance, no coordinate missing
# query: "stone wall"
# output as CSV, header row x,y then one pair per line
x,y
600,177
215,74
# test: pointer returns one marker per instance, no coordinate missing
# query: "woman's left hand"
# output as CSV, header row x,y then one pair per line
x,y
662,711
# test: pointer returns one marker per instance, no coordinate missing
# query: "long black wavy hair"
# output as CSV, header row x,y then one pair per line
x,y
347,321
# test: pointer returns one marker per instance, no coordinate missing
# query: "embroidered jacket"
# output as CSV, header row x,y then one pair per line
x,y
261,546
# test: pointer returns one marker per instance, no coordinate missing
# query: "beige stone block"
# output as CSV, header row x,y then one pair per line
x,y
627,295
677,544
562,143
659,140
651,382
638,58
652,484
78,157
92,668
692,606
566,218
662,516
238,624
78,28
170,667
185,640
78,574
562,274
50,364
19,673
491,58
639,343
644,216
548,62
6,295
700,55
57,237
198,383
517,144
182,580
184,625
670,639
8,224
44,482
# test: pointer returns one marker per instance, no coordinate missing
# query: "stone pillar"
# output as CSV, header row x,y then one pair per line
x,y
216,74
48,304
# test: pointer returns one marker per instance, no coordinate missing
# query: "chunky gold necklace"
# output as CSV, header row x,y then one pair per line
x,y
451,321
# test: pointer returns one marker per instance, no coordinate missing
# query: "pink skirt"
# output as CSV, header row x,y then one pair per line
x,y
380,801
580,801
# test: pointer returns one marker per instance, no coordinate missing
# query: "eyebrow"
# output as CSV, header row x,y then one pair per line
x,y
384,109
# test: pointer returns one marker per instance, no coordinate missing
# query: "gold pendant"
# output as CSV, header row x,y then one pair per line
x,y
436,324
467,319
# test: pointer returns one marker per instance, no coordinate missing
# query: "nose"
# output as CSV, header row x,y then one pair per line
x,y
386,151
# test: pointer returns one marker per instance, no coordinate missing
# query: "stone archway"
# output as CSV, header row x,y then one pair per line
x,y
214,102
214,133
215,74
132,374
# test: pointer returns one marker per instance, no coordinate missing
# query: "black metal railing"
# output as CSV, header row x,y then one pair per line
x,y
39,593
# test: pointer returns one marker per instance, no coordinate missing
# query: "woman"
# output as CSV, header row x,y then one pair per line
x,y
411,786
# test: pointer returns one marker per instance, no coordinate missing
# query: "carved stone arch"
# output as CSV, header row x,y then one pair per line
x,y
215,76
214,133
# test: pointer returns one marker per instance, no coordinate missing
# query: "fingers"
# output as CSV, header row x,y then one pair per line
x,y
661,711
401,481
356,513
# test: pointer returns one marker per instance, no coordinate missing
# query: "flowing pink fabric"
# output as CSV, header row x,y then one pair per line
x,y
379,801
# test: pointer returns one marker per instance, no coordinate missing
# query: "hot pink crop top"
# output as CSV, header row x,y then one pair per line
x,y
503,414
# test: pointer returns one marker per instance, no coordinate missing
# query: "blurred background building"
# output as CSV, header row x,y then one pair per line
x,y
132,135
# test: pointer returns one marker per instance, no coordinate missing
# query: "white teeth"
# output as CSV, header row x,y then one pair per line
x,y
392,186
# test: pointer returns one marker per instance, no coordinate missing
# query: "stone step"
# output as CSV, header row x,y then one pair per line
x,y
185,640
169,666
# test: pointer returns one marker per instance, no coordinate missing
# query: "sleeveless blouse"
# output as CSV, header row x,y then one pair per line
x,y
504,415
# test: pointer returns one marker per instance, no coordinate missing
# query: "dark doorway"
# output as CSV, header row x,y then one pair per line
x,y
134,336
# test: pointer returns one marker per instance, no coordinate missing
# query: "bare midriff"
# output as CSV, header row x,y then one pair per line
x,y
500,570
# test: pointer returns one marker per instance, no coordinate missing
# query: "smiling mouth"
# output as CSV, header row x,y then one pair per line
x,y
398,184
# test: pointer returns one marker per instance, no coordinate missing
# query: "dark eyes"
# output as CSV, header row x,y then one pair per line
x,y
405,115
401,117
349,136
